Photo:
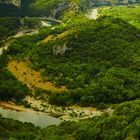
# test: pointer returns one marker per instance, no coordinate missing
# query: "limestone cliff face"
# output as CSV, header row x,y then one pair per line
x,y
84,3
92,3
60,49
60,7
13,2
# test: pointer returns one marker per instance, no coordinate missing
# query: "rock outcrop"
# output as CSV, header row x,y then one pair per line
x,y
60,49
13,2
57,9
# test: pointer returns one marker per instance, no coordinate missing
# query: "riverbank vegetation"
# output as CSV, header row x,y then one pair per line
x,y
16,130
122,124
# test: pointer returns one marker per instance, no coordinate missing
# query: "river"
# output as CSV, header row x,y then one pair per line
x,y
37,118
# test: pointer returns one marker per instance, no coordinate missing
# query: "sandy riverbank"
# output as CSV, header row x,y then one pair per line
x,y
72,113
12,106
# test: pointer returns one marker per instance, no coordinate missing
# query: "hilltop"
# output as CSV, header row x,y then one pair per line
x,y
95,61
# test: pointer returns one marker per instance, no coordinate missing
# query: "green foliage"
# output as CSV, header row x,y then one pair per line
x,y
123,124
31,23
15,130
63,8
8,10
10,87
101,64
8,26
130,13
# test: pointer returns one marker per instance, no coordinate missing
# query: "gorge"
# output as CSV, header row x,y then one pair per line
x,y
69,70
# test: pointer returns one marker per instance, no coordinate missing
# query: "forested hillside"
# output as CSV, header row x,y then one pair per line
x,y
49,8
124,124
94,60
73,66
8,26
131,13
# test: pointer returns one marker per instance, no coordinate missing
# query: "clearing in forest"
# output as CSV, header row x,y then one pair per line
x,y
30,77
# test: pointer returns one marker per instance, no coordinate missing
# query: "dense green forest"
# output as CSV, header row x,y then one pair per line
x,y
131,13
98,61
100,65
8,26
15,130
10,87
124,124
50,8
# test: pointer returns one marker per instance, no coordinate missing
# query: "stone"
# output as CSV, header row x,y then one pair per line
x,y
13,2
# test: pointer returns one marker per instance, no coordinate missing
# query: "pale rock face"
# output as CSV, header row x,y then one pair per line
x,y
92,3
60,49
14,2
60,7
85,4
63,6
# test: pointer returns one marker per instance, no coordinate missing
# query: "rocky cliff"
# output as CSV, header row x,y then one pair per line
x,y
91,3
13,2
83,2
54,8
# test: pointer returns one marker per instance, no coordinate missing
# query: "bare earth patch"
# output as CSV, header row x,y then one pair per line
x,y
30,77
12,106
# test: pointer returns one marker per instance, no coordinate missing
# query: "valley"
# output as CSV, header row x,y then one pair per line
x,y
70,71
33,80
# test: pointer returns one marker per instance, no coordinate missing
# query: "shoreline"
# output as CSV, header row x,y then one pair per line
x,y
72,113
12,106
69,113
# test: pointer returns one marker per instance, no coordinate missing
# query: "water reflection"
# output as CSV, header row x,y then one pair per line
x,y
36,118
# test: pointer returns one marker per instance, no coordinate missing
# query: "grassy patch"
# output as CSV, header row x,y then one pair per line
x,y
31,78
